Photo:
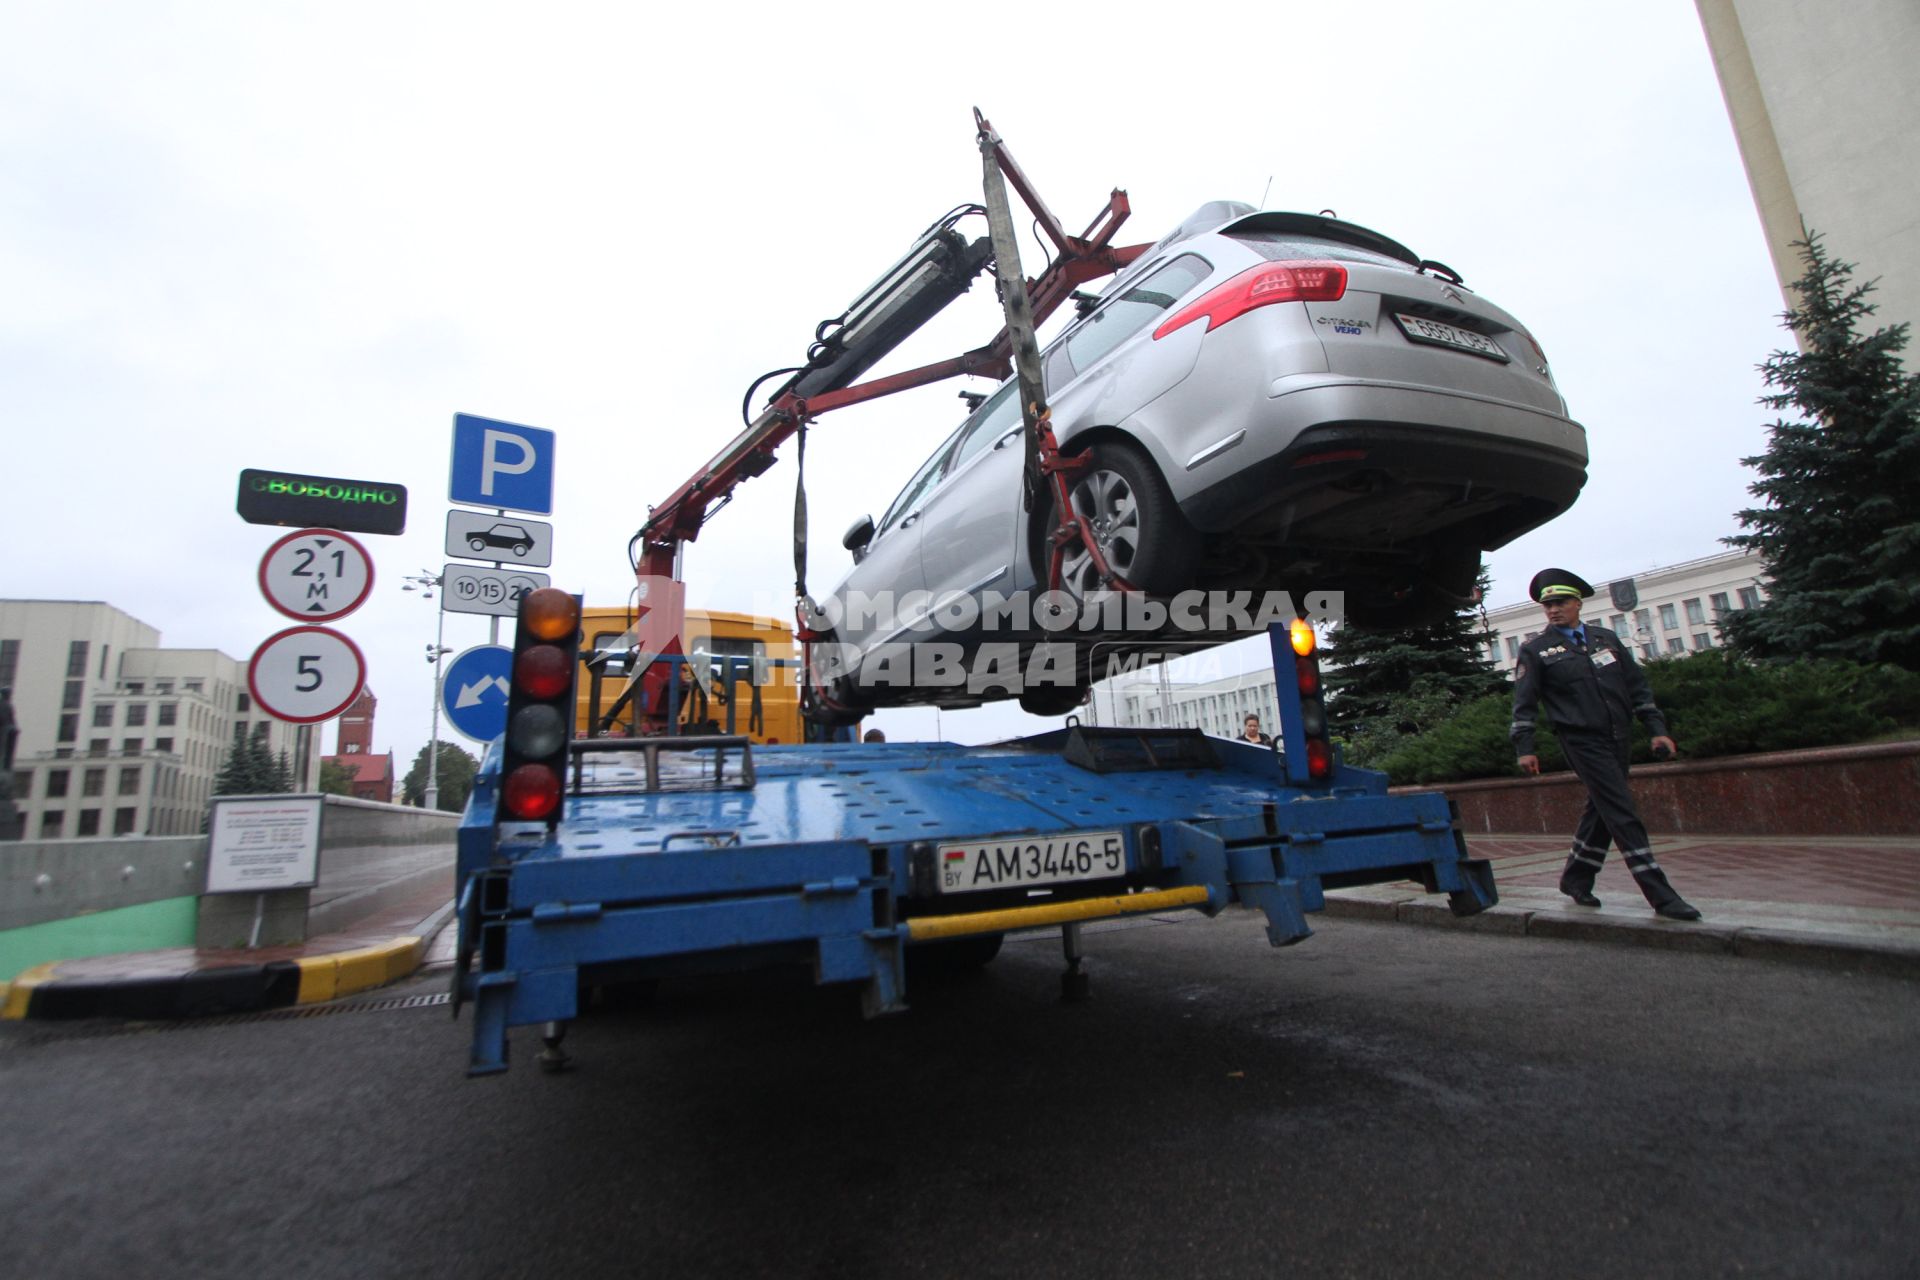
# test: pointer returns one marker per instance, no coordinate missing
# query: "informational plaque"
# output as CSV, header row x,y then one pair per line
x,y
258,843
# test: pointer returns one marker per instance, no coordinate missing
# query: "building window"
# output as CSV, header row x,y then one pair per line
x,y
196,686
1513,648
70,697
1719,602
130,781
163,744
50,824
1669,620
56,783
163,686
244,705
23,782
1618,622
93,782
96,746
1642,620
1676,645
1647,652
136,714
133,686
89,823
169,714
123,821
1749,598
69,728
131,746
77,660
1701,640
1696,616
260,730
9,661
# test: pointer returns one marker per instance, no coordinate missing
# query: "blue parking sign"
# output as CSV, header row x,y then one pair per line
x,y
502,465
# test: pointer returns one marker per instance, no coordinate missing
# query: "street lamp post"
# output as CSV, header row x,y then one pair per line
x,y
426,583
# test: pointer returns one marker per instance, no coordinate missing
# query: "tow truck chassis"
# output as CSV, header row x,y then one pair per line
x,y
828,855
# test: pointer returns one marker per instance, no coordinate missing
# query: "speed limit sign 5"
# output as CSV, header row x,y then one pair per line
x,y
304,675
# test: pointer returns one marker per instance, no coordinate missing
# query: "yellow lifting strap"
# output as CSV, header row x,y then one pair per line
x,y
931,928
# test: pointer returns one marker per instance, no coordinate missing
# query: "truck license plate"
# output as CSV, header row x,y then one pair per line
x,y
1421,329
1009,864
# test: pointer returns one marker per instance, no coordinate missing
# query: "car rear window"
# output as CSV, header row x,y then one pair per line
x,y
1281,246
1143,302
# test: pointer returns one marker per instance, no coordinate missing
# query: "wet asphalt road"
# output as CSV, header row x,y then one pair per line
x,y
1381,1100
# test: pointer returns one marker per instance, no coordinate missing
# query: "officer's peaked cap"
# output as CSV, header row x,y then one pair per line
x,y
1549,584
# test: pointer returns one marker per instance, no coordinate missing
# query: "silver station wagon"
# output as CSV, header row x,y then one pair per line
x,y
1272,402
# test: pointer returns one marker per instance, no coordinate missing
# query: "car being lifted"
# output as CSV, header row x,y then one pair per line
x,y
1268,402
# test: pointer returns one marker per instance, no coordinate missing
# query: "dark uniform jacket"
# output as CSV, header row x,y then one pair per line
x,y
1598,691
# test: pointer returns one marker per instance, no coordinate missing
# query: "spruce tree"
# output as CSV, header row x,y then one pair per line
x,y
1386,683
1839,531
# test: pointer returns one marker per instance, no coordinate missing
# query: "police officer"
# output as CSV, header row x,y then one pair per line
x,y
1592,689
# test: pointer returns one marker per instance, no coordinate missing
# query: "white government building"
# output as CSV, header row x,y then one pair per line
x,y
119,736
1661,612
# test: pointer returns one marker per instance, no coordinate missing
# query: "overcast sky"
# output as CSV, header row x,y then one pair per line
x,y
302,237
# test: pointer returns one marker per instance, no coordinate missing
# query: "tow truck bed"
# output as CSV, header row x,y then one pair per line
x,y
673,855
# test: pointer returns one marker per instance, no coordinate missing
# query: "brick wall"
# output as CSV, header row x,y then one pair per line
x,y
1832,791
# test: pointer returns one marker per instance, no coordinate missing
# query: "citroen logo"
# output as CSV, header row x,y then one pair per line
x,y
1448,291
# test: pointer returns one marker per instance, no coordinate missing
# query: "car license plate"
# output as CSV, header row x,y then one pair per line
x,y
1041,860
1421,329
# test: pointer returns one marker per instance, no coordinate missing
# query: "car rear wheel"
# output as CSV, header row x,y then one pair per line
x,y
1137,524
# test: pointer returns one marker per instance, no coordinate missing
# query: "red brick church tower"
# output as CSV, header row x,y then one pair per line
x,y
372,772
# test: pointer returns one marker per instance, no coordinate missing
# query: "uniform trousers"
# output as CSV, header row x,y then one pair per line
x,y
1599,760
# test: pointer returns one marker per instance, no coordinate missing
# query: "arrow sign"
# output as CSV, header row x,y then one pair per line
x,y
473,691
316,575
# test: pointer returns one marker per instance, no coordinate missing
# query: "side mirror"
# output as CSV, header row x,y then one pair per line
x,y
858,536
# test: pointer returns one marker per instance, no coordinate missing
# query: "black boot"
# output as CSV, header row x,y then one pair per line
x,y
1580,892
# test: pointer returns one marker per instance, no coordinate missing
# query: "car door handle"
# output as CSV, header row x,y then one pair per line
x,y
909,521
1011,435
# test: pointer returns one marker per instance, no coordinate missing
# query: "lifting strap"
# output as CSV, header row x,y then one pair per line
x,y
1045,467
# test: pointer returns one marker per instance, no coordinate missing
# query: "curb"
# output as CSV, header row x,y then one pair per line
x,y
244,988
1819,950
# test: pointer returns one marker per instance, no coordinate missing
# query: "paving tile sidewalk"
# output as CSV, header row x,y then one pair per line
x,y
1851,901
381,947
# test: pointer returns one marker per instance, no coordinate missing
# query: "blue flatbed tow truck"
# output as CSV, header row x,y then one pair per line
x,y
598,860
667,856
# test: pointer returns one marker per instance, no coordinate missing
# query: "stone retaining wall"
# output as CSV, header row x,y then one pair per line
x,y
1831,791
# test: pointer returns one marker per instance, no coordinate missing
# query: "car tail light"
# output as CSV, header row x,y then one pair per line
x,y
1270,282
546,654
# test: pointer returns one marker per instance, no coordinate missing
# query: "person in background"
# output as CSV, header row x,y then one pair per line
x,y
1250,731
1592,690
874,735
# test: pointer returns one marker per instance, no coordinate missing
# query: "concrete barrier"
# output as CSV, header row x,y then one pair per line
x,y
47,880
1830,791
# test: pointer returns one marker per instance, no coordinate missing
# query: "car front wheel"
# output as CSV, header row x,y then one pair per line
x,y
1136,523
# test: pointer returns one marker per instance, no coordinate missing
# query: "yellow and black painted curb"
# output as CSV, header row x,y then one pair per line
x,y
41,992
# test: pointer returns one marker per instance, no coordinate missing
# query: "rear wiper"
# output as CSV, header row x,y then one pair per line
x,y
1439,269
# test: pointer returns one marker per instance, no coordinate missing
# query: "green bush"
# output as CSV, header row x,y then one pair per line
x,y
1716,704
